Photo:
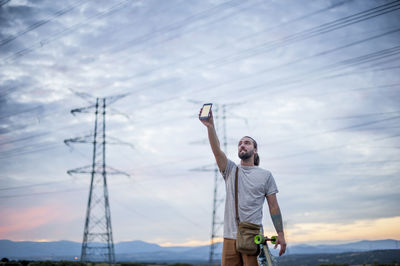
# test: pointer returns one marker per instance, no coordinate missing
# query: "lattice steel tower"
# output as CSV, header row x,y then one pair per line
x,y
97,242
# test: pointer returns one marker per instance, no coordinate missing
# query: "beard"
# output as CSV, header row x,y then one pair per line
x,y
246,155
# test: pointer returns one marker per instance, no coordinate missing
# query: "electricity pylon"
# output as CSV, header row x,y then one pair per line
x,y
97,244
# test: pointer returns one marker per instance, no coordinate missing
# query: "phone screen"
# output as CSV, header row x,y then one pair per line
x,y
205,111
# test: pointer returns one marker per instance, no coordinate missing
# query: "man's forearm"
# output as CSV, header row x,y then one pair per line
x,y
277,221
276,217
275,212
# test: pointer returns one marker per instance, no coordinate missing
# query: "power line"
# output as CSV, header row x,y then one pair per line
x,y
309,33
18,151
354,62
24,138
39,24
330,165
68,30
3,2
296,19
22,111
299,36
177,25
162,101
296,167
314,74
22,151
238,40
7,91
182,23
332,131
42,193
190,92
316,55
317,73
335,76
359,125
79,189
363,115
32,185
104,13
330,148
324,93
180,35
235,40
323,53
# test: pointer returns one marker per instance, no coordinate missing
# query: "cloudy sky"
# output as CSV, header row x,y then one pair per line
x,y
316,83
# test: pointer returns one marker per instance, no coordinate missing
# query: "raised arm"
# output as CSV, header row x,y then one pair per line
x,y
219,155
276,217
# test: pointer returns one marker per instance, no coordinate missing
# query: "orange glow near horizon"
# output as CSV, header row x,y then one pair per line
x,y
384,228
378,229
17,221
190,243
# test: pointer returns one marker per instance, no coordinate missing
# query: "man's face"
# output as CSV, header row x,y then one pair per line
x,y
246,148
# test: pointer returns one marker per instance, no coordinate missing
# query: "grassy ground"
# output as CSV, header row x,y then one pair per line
x,y
74,263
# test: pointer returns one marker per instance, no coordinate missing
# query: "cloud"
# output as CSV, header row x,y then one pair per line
x,y
326,128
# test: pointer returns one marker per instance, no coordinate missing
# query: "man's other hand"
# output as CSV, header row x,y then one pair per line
x,y
281,241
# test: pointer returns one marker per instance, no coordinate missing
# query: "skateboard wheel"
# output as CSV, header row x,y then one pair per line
x,y
273,239
258,239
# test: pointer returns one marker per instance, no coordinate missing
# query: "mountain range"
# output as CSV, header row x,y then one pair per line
x,y
149,252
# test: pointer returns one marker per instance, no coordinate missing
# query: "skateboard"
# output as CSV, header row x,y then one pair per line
x,y
265,258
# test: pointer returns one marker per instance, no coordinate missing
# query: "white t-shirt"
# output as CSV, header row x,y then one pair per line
x,y
254,184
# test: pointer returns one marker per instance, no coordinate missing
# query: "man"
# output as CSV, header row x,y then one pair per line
x,y
255,184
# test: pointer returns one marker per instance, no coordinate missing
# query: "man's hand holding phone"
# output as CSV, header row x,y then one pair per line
x,y
206,116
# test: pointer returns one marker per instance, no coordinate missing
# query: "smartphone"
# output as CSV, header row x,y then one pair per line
x,y
205,112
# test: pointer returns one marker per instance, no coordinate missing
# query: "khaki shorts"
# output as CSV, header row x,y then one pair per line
x,y
230,257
